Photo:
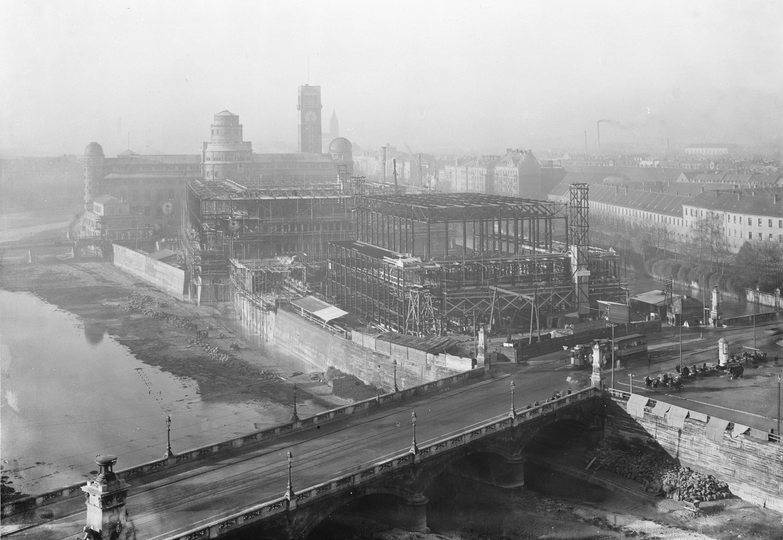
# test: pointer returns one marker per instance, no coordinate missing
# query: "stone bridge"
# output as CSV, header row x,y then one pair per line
x,y
380,458
491,451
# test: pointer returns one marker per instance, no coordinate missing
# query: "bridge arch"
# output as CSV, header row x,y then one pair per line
x,y
400,496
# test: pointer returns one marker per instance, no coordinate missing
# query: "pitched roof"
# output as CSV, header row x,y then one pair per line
x,y
735,202
646,201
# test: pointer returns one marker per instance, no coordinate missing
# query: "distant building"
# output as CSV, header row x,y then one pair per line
x,y
755,216
309,107
341,152
227,155
709,149
518,174
153,186
481,175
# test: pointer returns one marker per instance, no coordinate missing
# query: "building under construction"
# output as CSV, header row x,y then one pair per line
x,y
225,220
438,263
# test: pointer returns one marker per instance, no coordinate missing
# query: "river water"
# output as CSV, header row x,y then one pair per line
x,y
69,393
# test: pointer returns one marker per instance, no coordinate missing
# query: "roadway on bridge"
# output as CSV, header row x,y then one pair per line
x,y
180,499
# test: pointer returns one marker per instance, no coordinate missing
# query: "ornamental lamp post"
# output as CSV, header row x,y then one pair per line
x,y
414,447
294,417
289,492
168,453
513,412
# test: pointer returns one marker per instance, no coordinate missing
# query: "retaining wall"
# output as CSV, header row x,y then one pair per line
x,y
324,348
753,468
165,277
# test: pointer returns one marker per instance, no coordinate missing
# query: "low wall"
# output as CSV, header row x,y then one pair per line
x,y
165,277
359,408
324,348
753,468
747,320
445,361
764,299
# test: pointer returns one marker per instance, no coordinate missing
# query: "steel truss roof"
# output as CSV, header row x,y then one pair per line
x,y
442,207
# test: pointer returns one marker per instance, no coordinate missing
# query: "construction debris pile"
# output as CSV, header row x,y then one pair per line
x,y
659,474
137,302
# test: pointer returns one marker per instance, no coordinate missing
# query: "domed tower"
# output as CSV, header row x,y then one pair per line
x,y
93,171
226,155
341,152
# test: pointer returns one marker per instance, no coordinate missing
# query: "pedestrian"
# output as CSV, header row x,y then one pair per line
x,y
649,359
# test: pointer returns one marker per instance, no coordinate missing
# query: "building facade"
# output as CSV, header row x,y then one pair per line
x,y
309,107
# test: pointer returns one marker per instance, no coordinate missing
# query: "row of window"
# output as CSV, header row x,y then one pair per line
x,y
639,214
729,218
760,236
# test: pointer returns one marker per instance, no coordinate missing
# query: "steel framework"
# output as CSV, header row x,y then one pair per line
x,y
579,240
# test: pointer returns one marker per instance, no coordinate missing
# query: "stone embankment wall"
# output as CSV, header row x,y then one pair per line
x,y
325,348
364,357
753,468
165,277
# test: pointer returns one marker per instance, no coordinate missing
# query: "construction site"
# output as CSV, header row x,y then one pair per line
x,y
426,264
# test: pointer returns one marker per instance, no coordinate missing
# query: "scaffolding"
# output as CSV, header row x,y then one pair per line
x,y
439,225
579,242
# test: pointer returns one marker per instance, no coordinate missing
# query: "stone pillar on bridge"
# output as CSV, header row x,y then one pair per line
x,y
598,361
106,512
481,349
514,474
411,515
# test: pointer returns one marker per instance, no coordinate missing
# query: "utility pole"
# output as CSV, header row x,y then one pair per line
x,y
778,432
680,325
612,355
384,162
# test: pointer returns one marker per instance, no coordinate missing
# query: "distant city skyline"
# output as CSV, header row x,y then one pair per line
x,y
440,76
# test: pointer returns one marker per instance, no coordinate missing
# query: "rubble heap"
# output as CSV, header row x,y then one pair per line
x,y
659,473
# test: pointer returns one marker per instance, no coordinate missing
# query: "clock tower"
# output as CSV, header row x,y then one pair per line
x,y
309,107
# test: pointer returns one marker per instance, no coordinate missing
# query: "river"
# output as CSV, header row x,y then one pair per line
x,y
69,393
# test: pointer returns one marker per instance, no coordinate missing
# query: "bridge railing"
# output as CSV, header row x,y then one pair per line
x,y
26,503
369,472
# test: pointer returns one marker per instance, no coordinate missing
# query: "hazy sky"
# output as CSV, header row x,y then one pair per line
x,y
474,75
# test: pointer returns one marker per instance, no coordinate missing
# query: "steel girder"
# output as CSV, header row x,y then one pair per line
x,y
443,207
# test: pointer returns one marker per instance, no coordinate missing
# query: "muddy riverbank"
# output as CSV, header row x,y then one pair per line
x,y
59,408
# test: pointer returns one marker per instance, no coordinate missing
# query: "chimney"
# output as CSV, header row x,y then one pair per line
x,y
739,196
776,198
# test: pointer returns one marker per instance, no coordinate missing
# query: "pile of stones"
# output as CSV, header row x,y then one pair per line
x,y
684,484
659,473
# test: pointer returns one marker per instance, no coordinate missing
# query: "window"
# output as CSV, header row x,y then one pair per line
x,y
735,219
760,236
750,236
750,221
759,222
770,223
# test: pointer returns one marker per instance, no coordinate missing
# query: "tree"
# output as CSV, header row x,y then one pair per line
x,y
709,244
759,264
